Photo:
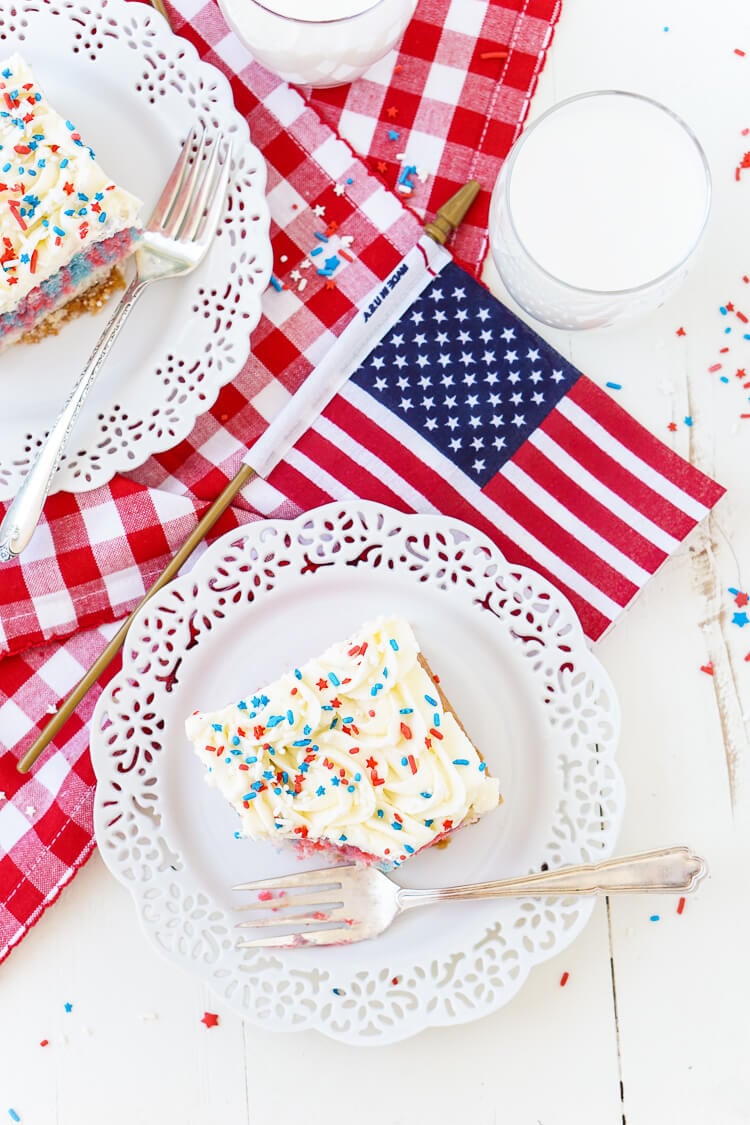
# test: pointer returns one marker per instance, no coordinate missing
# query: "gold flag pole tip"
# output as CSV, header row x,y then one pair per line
x,y
451,214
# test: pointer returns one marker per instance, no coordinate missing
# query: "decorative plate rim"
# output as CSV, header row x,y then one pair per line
x,y
104,446
180,915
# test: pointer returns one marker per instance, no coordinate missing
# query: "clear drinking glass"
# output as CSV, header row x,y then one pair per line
x,y
599,209
318,42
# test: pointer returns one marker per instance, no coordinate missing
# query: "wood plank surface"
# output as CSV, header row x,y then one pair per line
x,y
652,1024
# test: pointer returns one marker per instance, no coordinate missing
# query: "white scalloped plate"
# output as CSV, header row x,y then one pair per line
x,y
134,89
513,661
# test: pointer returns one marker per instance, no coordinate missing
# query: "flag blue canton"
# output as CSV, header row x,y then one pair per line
x,y
466,374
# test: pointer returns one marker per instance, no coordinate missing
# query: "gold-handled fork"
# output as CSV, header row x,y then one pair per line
x,y
175,241
339,905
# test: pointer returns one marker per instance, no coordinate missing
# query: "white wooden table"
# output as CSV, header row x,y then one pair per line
x,y
652,1024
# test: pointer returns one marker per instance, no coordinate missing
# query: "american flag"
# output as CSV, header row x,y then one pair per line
x,y
461,408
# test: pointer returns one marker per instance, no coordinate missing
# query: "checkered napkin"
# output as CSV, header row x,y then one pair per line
x,y
96,553
449,105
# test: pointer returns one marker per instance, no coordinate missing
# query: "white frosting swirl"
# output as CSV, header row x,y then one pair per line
x,y
355,748
55,200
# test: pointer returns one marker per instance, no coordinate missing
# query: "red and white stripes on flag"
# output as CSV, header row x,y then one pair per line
x,y
589,498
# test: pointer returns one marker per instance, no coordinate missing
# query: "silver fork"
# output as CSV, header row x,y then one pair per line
x,y
339,905
175,241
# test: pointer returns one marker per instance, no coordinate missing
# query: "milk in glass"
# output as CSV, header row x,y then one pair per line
x,y
599,209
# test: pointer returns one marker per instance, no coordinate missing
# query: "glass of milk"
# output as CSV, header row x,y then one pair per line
x,y
318,42
599,209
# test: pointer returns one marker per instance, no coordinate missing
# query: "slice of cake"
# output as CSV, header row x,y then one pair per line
x,y
357,750
64,226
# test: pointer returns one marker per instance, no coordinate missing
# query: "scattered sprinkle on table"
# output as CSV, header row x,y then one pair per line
x,y
681,905
210,1019
614,386
708,668
654,918
68,1006
564,979
13,1115
680,331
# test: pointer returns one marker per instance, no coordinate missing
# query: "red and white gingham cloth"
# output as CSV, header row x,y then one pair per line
x,y
96,553
456,103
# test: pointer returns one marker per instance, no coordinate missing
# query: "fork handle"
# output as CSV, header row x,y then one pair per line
x,y
26,508
670,869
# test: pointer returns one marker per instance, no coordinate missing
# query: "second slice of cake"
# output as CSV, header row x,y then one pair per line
x,y
64,224
357,750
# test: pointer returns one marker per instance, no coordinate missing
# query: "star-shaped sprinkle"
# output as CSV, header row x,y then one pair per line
x,y
672,426
68,1006
740,618
30,810
391,112
319,210
381,166
210,1019
680,332
741,598
339,189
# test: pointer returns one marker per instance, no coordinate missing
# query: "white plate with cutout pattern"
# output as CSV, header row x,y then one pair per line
x,y
134,90
514,663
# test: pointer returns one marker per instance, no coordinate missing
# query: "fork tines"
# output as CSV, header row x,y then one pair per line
x,y
193,195
319,877
286,901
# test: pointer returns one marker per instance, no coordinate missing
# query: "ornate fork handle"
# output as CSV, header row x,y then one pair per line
x,y
23,514
671,869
